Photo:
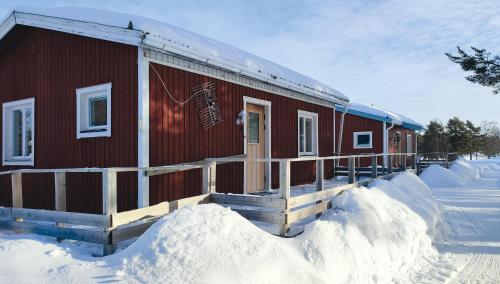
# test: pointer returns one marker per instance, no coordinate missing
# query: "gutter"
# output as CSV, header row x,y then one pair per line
x,y
386,141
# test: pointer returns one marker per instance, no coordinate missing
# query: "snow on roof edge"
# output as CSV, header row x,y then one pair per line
x,y
378,113
173,39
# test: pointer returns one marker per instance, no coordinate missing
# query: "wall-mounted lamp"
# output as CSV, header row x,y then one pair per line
x,y
241,118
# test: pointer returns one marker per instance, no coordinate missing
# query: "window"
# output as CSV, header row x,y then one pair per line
x,y
18,132
308,133
363,140
409,144
253,127
93,106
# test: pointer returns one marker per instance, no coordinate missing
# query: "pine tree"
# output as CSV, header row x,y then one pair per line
x,y
486,68
457,132
473,138
435,138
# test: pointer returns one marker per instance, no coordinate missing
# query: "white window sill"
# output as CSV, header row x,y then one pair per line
x,y
94,133
19,162
363,147
308,154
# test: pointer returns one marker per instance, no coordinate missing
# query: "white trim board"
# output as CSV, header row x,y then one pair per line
x,y
314,115
142,128
267,123
13,104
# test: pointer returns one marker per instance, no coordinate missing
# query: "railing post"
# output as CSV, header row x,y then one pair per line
x,y
285,194
374,167
320,169
17,190
209,176
403,162
389,165
60,191
351,164
109,205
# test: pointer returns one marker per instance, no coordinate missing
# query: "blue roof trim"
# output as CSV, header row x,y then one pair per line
x,y
379,118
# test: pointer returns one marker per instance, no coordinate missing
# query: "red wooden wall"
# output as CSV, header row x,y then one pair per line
x,y
354,123
50,66
176,135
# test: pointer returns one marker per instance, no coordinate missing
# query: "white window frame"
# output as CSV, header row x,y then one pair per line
x,y
83,96
315,128
409,137
7,110
356,145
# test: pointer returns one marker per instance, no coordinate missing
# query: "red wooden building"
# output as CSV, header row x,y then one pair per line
x,y
90,88
370,129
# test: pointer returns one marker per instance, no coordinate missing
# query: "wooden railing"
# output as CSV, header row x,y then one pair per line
x,y
109,228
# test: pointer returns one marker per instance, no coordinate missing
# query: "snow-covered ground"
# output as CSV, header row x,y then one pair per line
x,y
393,231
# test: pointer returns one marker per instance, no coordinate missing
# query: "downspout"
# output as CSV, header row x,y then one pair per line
x,y
386,141
341,132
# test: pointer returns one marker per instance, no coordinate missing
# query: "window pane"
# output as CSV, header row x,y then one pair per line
x,y
98,111
253,127
309,135
364,140
301,134
17,133
28,126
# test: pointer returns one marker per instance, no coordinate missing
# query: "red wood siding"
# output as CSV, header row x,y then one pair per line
x,y
176,135
50,66
354,123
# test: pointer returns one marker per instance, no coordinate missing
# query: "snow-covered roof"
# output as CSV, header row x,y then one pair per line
x,y
378,113
167,38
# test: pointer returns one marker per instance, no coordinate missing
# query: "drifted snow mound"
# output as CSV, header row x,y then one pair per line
x,y
437,176
212,244
466,169
372,235
410,190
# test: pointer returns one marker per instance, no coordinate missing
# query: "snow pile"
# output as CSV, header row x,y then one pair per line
x,y
378,234
373,235
467,170
414,193
460,174
437,176
212,244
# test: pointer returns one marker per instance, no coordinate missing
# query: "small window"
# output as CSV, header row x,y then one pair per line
x,y
308,133
409,144
363,140
253,127
18,132
94,111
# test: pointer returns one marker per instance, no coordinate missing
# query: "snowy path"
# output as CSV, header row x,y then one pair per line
x,y
473,214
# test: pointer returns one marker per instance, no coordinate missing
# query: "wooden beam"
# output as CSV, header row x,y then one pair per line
x,y
300,214
285,192
260,215
63,233
60,191
85,219
109,202
351,165
374,167
320,165
17,190
303,199
248,200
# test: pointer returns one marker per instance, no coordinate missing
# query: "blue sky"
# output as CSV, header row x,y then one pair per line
x,y
388,53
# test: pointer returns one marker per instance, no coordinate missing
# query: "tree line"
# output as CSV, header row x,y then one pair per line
x,y
462,137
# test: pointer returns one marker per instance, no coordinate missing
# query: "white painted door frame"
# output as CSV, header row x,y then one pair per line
x,y
267,125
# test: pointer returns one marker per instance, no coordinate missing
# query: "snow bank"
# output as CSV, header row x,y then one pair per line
x,y
376,234
460,174
466,169
437,176
410,190
373,235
